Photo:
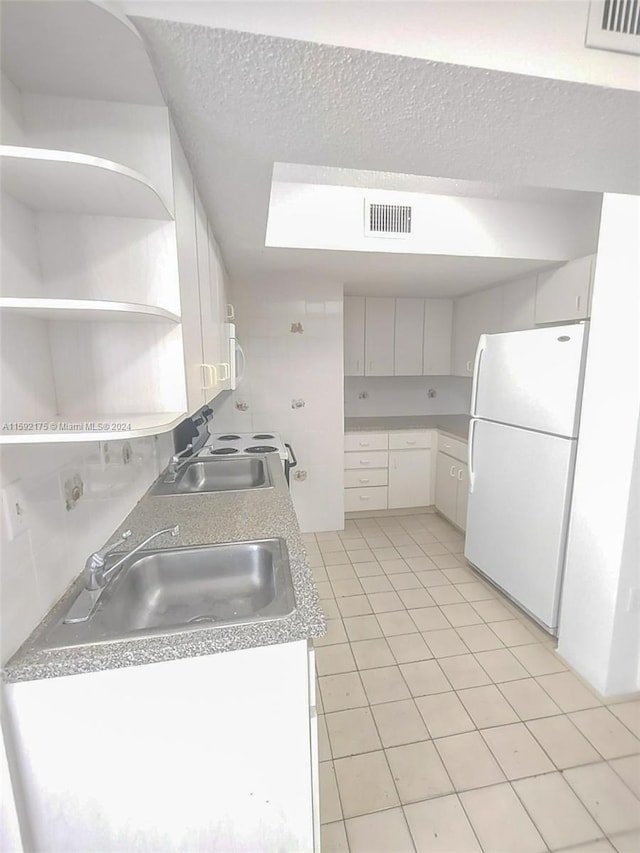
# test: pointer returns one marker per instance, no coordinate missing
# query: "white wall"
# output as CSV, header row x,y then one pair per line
x,y
282,366
406,395
39,564
599,633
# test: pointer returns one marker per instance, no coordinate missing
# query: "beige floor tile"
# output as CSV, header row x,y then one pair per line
x,y
325,590
606,797
424,537
370,654
444,643
418,772
384,602
368,570
538,659
562,742
415,598
629,714
360,556
475,591
379,583
433,548
429,618
396,622
324,745
464,671
462,575
557,812
479,638
444,714
500,822
446,595
335,558
513,633
405,580
384,685
446,561
501,665
365,784
362,628
340,692
425,677
492,611
600,846
626,842
333,838
351,732
380,832
528,699
469,761
330,808
354,605
410,551
487,706
409,647
568,692
605,732
461,614
386,553
517,751
348,586
441,826
394,567
422,564
335,634
318,572
399,722
333,659
432,579
341,572
628,769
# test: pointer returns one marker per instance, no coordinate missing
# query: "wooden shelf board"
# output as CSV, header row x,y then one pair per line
x,y
86,309
88,428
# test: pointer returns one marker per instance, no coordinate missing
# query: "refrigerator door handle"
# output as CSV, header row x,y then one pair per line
x,y
482,345
472,476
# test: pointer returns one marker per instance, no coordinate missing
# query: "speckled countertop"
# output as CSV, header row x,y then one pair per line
x,y
456,425
203,519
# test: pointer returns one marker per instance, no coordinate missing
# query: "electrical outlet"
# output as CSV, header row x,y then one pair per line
x,y
73,489
15,510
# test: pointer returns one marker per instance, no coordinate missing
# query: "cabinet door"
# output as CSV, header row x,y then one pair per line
x,y
409,478
185,225
564,294
474,315
446,485
210,333
379,334
409,336
518,305
462,496
438,320
354,336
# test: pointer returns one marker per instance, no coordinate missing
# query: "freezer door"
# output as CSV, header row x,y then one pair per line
x,y
520,487
531,379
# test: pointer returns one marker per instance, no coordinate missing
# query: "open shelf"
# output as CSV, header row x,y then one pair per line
x,y
92,427
85,309
66,182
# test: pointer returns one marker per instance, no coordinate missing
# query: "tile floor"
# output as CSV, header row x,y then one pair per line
x,y
447,723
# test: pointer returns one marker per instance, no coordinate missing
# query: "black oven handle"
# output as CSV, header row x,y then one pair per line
x,y
292,456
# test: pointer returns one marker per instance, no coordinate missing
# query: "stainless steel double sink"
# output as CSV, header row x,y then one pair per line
x,y
199,475
183,589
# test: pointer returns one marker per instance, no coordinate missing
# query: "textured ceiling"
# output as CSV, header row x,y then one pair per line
x,y
242,102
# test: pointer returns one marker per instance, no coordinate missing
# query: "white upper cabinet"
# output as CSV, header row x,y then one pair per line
x,y
564,293
518,304
354,336
438,320
379,338
474,315
409,337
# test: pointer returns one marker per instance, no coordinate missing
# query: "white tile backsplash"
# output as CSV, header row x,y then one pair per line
x,y
285,365
40,563
406,395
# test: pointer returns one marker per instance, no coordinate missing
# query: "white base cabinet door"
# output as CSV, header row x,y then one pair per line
x,y
452,489
409,478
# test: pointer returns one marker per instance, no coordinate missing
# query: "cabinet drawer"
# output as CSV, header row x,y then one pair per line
x,y
408,440
452,447
365,499
360,479
376,459
366,440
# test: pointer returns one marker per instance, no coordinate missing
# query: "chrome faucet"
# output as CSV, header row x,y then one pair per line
x,y
176,464
95,575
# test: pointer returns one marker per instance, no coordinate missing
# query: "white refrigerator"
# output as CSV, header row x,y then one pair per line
x,y
525,409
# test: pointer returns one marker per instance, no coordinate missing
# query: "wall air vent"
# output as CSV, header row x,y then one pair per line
x,y
386,220
614,25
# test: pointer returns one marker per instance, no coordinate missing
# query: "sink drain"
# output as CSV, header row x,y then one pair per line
x,y
197,619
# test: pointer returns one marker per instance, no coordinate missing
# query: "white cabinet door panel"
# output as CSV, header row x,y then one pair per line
x,y
354,336
360,500
474,315
409,337
379,336
409,478
366,441
563,294
518,304
462,496
446,485
438,320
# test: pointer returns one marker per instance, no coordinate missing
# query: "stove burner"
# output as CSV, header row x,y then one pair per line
x,y
261,436
261,448
222,451
228,438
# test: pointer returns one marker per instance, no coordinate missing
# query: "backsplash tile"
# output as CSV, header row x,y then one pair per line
x,y
406,395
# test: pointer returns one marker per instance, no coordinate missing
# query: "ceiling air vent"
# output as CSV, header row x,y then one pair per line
x,y
614,25
387,220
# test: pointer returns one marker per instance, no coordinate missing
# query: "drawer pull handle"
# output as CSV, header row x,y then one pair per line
x,y
460,474
365,462
364,497
409,442
364,444
452,471
365,480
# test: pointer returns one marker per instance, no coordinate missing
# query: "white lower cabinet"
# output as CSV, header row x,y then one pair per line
x,y
452,482
409,478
